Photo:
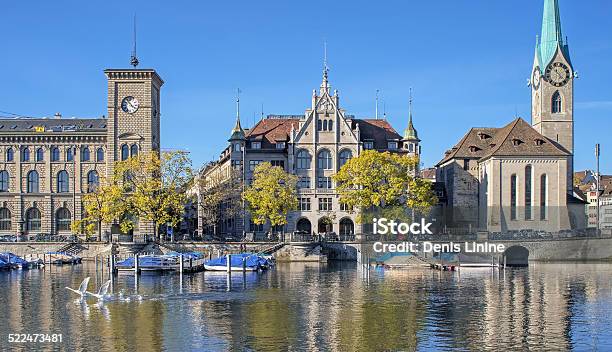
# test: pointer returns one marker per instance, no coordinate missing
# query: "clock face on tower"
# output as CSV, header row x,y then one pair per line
x,y
558,74
536,78
129,104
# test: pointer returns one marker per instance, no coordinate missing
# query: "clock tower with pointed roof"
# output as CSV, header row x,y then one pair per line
x,y
552,84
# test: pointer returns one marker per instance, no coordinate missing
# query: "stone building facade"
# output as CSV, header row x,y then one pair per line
x,y
313,146
47,164
520,176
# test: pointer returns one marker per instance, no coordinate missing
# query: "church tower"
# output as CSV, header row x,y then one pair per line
x,y
552,83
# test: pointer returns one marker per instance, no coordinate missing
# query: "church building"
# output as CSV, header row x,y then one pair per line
x,y
519,176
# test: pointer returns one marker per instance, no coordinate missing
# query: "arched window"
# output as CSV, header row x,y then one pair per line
x,y
324,125
319,125
85,155
5,219
513,197
62,182
100,154
543,197
324,160
557,103
93,180
32,182
40,154
62,219
330,125
69,154
9,154
237,147
134,150
347,227
55,153
25,154
125,152
4,181
528,193
303,160
33,220
345,155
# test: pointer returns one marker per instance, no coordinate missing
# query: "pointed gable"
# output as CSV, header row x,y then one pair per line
x,y
519,139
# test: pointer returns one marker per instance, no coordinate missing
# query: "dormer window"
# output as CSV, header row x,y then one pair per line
x,y
474,149
392,145
368,145
516,142
255,145
492,145
539,141
483,136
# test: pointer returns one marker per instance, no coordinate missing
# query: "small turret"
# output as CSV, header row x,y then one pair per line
x,y
411,137
237,131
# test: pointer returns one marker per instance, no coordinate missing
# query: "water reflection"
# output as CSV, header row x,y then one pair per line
x,y
311,307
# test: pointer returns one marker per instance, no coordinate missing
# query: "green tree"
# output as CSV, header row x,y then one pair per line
x,y
154,185
272,195
384,182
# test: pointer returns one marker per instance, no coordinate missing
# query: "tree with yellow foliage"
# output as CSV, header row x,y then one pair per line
x,y
155,186
384,182
272,195
103,203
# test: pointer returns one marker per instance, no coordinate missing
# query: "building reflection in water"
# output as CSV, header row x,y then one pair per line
x,y
302,306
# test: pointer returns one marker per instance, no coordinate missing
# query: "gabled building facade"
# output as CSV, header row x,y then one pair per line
x,y
313,146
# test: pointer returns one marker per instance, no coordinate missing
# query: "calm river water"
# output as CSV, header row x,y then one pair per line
x,y
311,307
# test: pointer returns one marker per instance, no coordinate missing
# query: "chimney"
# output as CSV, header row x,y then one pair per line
x,y
57,115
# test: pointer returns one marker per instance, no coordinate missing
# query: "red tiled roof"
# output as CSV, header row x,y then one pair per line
x,y
379,131
269,131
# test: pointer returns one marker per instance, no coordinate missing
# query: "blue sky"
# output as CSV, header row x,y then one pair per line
x,y
467,61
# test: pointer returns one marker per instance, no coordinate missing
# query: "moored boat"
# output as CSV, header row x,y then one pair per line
x,y
239,262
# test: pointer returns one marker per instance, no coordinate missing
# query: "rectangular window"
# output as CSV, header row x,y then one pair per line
x,y
325,204
410,147
304,204
279,163
324,182
528,198
253,164
543,197
280,145
513,190
236,163
368,145
345,207
392,145
304,182
255,145
466,164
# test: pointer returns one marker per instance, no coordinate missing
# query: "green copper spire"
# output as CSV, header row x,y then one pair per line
x,y
410,133
552,36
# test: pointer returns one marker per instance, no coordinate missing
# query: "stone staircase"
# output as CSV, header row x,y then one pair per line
x,y
72,248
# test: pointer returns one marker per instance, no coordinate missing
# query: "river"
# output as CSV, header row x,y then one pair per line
x,y
312,307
